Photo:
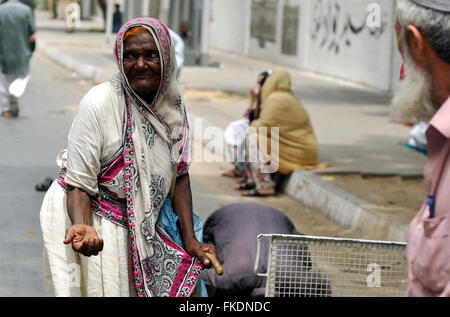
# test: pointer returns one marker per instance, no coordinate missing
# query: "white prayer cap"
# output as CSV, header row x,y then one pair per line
x,y
438,5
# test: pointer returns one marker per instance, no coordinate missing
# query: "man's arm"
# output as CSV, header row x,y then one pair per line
x,y
31,27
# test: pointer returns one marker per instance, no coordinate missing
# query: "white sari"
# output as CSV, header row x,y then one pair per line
x,y
124,150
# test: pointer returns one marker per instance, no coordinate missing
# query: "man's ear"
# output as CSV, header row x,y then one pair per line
x,y
398,31
417,45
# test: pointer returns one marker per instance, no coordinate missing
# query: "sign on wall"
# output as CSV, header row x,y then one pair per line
x,y
335,28
353,39
290,30
264,17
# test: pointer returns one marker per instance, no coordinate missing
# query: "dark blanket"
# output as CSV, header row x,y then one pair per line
x,y
233,230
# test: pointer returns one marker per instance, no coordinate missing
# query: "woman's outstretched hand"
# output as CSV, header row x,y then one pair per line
x,y
84,239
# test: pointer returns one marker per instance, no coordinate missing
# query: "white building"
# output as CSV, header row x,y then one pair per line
x,y
348,39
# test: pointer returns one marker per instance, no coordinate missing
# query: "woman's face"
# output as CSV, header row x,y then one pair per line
x,y
142,64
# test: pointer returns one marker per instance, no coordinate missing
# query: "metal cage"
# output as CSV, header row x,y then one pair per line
x,y
307,266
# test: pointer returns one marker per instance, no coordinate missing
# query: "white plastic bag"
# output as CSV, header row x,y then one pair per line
x,y
235,132
17,88
418,138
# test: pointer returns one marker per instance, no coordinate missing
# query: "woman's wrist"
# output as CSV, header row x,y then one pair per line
x,y
85,222
189,240
80,219
79,207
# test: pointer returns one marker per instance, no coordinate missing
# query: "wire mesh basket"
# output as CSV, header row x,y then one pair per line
x,y
306,266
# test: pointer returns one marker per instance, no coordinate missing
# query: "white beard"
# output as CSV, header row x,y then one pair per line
x,y
412,102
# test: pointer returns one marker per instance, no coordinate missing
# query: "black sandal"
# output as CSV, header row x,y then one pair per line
x,y
45,185
255,193
244,186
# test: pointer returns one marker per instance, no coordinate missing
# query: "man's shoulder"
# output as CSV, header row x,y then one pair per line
x,y
15,7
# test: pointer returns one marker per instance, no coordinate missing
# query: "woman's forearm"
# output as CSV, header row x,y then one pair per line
x,y
258,107
182,203
79,207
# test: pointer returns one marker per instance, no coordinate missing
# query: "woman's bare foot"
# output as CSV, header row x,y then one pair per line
x,y
233,174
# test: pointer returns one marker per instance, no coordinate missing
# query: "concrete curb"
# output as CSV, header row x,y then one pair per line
x,y
342,207
87,71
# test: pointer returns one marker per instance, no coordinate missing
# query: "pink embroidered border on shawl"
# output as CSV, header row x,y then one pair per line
x,y
136,272
107,204
112,170
188,272
190,268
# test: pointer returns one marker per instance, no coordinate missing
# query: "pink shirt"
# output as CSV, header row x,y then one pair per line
x,y
428,238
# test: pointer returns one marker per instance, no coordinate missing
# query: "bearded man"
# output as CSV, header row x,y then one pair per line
x,y
423,33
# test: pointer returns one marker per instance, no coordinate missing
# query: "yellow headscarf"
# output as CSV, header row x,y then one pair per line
x,y
298,147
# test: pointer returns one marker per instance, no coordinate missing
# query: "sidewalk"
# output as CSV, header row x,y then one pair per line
x,y
351,122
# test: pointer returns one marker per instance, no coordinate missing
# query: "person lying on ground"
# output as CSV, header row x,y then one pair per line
x,y
233,230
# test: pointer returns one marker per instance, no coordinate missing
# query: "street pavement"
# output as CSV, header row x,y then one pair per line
x,y
351,121
28,149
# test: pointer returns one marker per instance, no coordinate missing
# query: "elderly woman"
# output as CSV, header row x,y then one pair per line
x,y
297,143
127,156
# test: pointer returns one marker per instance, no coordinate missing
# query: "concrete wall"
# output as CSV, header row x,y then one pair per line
x,y
333,38
133,9
272,51
342,44
230,25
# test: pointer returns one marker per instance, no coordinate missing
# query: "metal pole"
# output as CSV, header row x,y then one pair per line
x,y
145,8
175,22
164,11
204,36
185,11
109,19
195,24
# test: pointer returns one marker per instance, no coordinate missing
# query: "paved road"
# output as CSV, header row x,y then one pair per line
x,y
28,148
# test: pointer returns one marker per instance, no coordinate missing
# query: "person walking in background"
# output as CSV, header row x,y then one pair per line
x,y
17,34
52,6
117,18
423,30
30,3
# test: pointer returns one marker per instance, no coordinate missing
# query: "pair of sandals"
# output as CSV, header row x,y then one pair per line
x,y
249,190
